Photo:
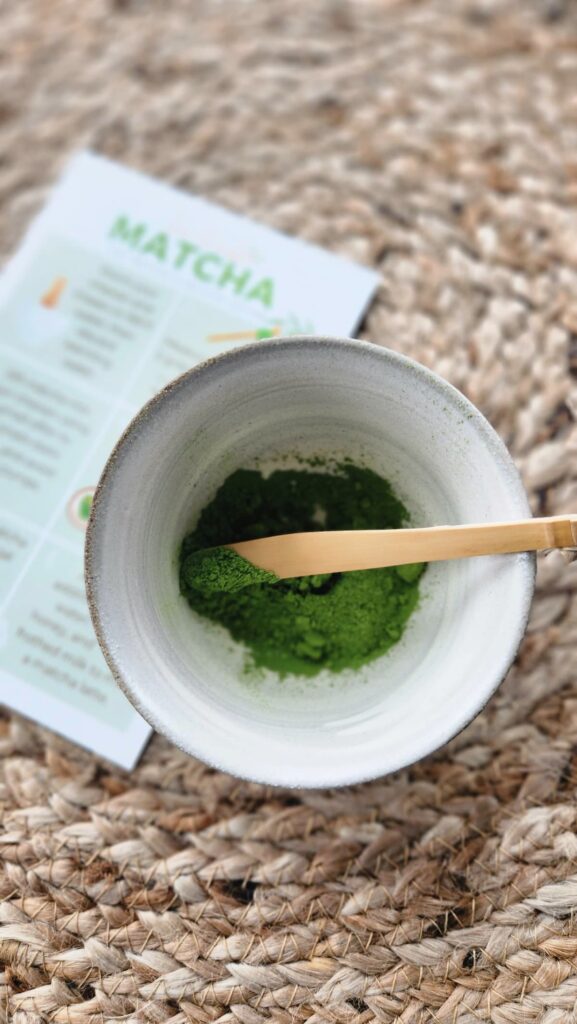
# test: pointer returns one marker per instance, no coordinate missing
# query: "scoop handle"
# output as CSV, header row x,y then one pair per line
x,y
306,554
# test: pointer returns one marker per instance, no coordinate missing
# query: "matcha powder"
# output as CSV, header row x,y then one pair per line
x,y
299,626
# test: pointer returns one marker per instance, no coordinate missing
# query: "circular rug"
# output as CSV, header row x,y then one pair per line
x,y
436,141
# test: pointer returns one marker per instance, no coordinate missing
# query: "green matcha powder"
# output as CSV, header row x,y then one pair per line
x,y
299,626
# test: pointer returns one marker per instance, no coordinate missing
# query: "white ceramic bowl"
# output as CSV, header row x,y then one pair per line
x,y
311,396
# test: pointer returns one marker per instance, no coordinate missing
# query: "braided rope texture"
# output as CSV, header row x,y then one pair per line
x,y
436,141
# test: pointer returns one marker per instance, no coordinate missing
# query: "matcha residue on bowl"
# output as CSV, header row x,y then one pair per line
x,y
299,626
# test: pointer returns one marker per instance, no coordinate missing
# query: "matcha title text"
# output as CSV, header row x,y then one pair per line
x,y
206,266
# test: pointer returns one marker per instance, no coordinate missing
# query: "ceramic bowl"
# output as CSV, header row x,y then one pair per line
x,y
259,405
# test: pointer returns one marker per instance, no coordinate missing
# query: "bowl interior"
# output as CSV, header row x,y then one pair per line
x,y
260,406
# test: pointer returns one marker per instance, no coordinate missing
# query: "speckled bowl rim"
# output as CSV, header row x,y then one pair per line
x,y
227,361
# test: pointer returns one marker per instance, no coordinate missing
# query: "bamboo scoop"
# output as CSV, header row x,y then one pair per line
x,y
309,554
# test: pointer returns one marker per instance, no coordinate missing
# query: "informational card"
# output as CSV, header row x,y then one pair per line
x,y
121,284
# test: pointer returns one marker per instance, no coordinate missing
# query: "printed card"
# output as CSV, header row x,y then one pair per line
x,y
121,284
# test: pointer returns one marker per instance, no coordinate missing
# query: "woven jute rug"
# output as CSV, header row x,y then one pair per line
x,y
436,141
